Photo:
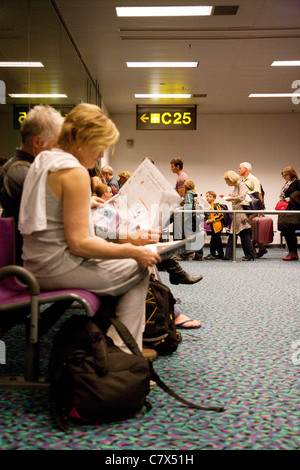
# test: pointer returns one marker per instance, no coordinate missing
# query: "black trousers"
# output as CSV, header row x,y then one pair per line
x,y
291,239
245,236
216,244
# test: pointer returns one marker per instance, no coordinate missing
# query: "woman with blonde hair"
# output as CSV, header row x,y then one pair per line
x,y
243,227
60,246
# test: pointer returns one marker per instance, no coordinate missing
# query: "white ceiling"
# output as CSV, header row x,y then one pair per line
x,y
234,53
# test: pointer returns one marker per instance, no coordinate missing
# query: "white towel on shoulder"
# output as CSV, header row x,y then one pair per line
x,y
33,217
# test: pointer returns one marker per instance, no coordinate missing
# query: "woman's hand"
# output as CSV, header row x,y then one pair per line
x,y
143,237
145,257
96,202
287,199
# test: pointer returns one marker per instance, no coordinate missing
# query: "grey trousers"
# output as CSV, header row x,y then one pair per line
x,y
121,277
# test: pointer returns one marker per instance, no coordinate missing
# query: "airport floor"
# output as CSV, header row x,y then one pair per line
x,y
245,357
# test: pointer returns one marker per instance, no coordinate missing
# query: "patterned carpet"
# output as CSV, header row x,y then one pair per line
x,y
246,357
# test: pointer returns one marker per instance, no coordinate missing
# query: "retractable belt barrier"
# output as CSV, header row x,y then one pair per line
x,y
269,212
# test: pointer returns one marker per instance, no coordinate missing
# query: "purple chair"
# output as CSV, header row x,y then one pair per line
x,y
20,297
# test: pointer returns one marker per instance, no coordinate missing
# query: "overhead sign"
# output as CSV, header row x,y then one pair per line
x,y
166,118
21,110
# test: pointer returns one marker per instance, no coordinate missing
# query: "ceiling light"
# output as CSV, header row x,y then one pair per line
x,y
164,95
286,63
274,95
164,11
37,95
21,64
162,64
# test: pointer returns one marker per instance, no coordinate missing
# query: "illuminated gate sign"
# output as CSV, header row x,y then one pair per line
x,y
20,112
166,118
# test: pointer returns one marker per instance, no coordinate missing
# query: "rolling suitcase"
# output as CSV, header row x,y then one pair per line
x,y
262,230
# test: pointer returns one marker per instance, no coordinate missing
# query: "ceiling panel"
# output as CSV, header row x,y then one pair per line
x,y
234,52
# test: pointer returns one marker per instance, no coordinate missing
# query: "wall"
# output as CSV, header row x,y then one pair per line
x,y
221,142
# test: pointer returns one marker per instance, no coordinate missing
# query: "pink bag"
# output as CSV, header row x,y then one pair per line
x,y
281,206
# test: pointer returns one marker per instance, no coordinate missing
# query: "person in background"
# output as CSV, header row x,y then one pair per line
x,y
60,247
243,226
254,185
215,221
123,177
176,167
103,191
108,175
39,131
289,223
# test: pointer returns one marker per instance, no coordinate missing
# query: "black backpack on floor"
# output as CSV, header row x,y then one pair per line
x,y
92,381
160,331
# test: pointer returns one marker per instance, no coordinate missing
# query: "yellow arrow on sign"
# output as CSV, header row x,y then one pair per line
x,y
144,118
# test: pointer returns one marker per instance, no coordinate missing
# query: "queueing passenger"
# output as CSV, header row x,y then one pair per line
x,y
243,226
215,220
289,223
108,175
60,247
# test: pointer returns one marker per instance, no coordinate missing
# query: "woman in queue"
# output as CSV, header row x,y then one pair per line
x,y
59,244
289,223
242,225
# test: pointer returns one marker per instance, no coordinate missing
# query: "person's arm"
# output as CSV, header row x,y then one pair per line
x,y
181,191
76,201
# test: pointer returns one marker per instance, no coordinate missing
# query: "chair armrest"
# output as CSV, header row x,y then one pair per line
x,y
23,275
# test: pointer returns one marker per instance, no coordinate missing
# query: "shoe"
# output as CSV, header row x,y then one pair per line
x,y
248,259
183,278
177,275
291,258
181,325
149,354
261,253
197,258
210,257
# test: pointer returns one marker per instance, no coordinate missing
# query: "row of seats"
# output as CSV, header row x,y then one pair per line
x,y
21,301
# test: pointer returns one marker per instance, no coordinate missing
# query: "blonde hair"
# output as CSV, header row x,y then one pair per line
x,y
231,176
88,123
125,174
189,185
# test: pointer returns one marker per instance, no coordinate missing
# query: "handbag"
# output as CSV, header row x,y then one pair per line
x,y
281,206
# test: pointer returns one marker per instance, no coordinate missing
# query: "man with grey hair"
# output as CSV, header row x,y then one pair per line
x,y
39,131
108,174
254,185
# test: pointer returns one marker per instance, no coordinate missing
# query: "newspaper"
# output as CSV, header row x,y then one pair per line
x,y
147,201
168,249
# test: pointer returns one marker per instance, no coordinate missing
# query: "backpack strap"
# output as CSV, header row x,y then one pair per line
x,y
126,336
169,391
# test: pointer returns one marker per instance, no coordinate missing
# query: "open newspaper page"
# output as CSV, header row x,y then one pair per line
x,y
146,201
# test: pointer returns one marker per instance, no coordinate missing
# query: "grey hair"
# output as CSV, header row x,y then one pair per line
x,y
246,165
42,121
107,169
